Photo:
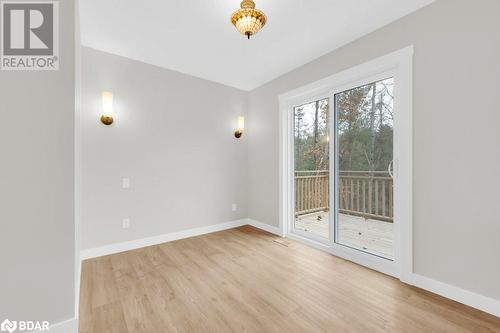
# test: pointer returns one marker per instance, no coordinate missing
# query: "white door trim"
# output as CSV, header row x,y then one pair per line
x,y
400,64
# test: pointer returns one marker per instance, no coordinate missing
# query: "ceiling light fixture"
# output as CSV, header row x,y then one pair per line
x,y
248,20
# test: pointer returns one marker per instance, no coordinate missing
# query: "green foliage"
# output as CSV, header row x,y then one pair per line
x,y
311,136
364,130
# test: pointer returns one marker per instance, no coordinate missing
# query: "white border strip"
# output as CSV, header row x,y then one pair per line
x,y
155,240
477,301
266,227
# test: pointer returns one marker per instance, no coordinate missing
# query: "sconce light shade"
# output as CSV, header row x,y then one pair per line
x,y
107,108
241,127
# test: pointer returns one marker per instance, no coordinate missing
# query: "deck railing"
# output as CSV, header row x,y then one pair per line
x,y
361,193
311,191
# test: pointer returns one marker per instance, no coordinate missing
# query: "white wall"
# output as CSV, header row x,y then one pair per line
x,y
173,137
456,136
37,240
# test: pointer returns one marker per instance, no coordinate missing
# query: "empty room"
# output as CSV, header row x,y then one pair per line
x,y
249,166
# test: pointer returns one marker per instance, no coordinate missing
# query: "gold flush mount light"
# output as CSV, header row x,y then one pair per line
x,y
248,20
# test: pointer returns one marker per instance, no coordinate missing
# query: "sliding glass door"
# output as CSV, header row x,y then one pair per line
x,y
343,187
363,153
346,164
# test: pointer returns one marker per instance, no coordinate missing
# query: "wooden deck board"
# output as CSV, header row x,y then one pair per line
x,y
373,236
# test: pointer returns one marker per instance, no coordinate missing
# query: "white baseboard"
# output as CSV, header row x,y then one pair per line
x,y
265,227
67,326
155,240
480,302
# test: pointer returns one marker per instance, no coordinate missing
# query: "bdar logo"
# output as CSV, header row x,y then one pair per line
x,y
8,326
24,326
29,38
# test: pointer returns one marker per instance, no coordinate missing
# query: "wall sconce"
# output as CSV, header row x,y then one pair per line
x,y
107,108
241,127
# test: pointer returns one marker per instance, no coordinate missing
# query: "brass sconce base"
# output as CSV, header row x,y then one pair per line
x,y
106,120
238,134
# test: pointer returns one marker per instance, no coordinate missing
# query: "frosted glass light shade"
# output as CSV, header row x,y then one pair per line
x,y
107,103
241,123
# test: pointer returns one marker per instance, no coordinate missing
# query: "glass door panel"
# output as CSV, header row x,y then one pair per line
x,y
364,154
312,176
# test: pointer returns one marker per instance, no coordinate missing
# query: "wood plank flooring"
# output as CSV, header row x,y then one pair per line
x,y
246,280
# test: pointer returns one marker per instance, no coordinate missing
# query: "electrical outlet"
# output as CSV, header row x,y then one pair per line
x,y
126,223
125,182
234,207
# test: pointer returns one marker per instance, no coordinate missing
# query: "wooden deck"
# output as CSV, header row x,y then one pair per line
x,y
365,234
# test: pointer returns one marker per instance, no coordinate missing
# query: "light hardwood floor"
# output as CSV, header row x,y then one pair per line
x,y
246,280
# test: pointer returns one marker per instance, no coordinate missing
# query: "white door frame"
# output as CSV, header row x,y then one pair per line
x,y
399,65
